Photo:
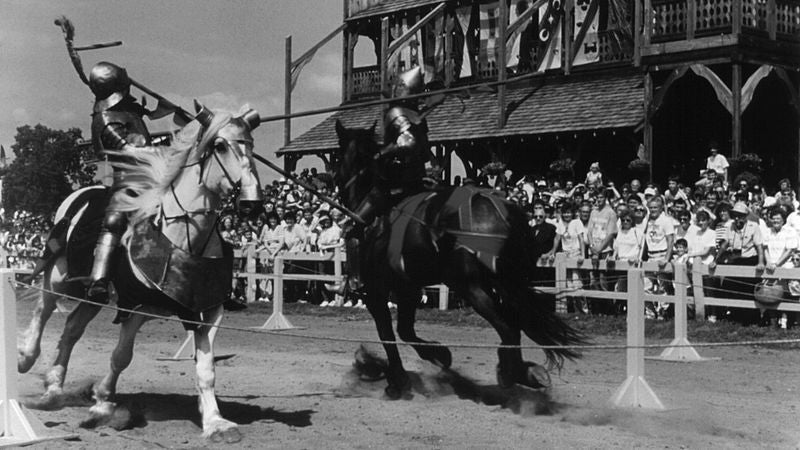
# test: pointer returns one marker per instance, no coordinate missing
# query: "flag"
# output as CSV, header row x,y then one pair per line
x,y
550,36
588,51
2,156
434,48
464,14
514,40
489,27
298,66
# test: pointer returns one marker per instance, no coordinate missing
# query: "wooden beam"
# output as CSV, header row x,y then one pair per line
x,y
347,56
658,98
637,33
569,19
522,18
287,98
448,49
709,42
691,19
501,65
648,22
647,132
794,97
397,43
384,59
736,17
319,44
587,22
772,19
736,114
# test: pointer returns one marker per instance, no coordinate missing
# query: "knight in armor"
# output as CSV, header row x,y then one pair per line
x,y
401,162
116,125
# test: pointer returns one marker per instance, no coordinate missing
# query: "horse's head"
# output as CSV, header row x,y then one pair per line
x,y
354,165
225,153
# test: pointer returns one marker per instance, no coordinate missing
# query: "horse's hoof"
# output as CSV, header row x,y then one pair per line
x,y
25,362
399,387
223,431
100,414
536,376
440,356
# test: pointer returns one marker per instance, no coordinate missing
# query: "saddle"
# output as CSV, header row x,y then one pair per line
x,y
455,217
195,283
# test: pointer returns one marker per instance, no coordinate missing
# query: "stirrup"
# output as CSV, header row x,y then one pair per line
x,y
98,291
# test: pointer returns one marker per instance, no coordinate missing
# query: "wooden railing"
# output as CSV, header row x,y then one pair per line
x,y
366,81
669,20
700,297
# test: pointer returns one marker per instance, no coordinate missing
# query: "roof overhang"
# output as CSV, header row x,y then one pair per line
x,y
544,106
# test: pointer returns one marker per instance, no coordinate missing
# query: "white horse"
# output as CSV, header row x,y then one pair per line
x,y
172,260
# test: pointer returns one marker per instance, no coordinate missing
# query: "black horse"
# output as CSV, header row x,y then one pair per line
x,y
470,239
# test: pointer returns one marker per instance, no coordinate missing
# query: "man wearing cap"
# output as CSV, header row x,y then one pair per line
x,y
743,242
116,125
600,233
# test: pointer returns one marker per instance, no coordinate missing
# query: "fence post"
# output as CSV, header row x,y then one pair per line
x,y
250,270
680,349
185,351
697,292
17,425
561,282
635,391
444,295
277,321
337,273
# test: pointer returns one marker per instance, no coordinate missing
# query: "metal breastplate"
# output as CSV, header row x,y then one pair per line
x,y
128,124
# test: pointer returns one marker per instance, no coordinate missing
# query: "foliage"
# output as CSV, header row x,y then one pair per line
x,y
639,165
746,166
48,166
494,168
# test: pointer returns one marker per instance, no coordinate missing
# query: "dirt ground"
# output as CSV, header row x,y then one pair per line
x,y
301,393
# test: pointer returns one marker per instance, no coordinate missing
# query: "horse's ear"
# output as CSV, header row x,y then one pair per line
x,y
340,130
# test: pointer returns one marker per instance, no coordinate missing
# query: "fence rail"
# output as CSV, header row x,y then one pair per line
x,y
695,273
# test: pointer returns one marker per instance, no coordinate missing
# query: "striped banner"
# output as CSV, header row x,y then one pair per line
x,y
464,14
588,51
489,15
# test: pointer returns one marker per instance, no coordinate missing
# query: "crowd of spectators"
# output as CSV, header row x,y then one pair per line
x,y
733,222
22,239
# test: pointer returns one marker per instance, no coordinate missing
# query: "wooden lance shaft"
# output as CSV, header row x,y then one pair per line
x,y
309,188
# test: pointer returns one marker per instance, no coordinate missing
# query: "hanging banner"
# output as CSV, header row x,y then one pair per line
x,y
513,42
464,14
550,35
489,15
434,48
588,51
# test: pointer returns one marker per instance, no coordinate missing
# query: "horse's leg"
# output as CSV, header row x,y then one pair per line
x,y
378,307
406,315
215,427
30,348
120,359
76,324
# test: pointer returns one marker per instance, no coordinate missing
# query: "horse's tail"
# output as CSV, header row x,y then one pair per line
x,y
534,310
541,324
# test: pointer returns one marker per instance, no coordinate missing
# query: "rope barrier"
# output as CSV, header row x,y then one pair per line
x,y
421,344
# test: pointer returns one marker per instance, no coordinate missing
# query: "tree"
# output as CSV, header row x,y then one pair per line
x,y
48,166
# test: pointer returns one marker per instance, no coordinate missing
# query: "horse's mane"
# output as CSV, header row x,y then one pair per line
x,y
149,171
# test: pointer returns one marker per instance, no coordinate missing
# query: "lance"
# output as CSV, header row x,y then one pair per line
x,y
309,188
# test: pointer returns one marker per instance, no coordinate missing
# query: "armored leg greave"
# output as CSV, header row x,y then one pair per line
x,y
114,225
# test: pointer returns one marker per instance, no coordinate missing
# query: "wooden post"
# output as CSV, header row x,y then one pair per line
x,y
277,321
634,391
562,282
569,21
250,271
691,18
638,32
347,55
449,26
736,114
736,18
680,349
337,273
384,61
444,297
648,22
501,65
772,19
17,425
697,293
287,101
647,131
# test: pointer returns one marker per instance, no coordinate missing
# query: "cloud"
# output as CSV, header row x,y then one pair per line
x,y
21,116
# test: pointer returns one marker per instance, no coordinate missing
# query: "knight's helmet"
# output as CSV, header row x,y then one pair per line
x,y
238,130
109,84
408,83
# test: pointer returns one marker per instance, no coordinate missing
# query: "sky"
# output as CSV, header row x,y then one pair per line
x,y
223,53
